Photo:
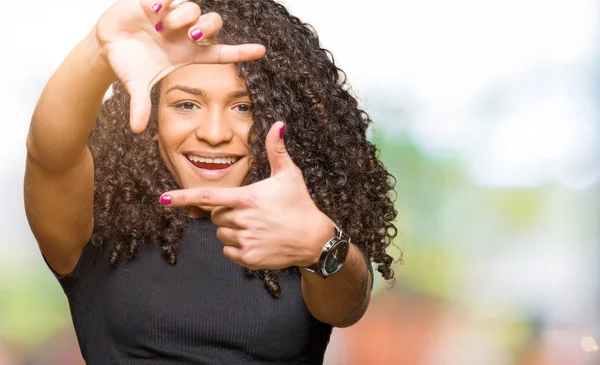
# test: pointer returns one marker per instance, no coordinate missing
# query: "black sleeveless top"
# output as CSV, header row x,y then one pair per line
x,y
203,310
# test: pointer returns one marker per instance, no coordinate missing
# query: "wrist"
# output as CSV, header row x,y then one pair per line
x,y
333,253
96,57
322,231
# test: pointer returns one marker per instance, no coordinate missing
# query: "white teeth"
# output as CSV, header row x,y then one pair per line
x,y
221,160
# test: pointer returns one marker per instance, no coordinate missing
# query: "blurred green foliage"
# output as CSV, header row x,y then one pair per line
x,y
444,220
32,305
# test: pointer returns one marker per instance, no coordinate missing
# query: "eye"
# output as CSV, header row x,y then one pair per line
x,y
186,106
244,107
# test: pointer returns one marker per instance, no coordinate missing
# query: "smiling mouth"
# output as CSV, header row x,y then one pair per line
x,y
220,163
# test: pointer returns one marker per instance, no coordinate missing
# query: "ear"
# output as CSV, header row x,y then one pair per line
x,y
155,137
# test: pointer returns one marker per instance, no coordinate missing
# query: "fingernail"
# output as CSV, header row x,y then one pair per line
x,y
156,7
165,200
281,131
196,34
159,27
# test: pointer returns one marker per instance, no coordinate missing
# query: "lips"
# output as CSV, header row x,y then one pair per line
x,y
210,166
212,163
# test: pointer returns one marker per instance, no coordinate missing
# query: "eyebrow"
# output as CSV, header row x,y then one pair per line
x,y
200,92
239,94
189,90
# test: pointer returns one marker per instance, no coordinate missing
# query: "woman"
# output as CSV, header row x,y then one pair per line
x,y
202,237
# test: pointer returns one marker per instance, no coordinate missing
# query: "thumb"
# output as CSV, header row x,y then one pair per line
x,y
276,151
139,107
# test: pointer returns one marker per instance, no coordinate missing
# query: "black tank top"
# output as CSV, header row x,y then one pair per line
x,y
203,310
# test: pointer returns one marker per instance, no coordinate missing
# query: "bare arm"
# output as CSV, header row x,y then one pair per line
x,y
59,175
343,298
59,178
264,225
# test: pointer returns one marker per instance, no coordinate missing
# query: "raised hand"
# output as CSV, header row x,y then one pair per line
x,y
144,40
271,224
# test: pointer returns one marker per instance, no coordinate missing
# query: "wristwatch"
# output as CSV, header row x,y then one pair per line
x,y
332,255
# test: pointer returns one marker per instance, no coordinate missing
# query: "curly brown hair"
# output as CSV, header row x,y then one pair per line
x,y
296,81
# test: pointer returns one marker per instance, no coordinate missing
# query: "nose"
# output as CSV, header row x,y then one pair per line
x,y
215,128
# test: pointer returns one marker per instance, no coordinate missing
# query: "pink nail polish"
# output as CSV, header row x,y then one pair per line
x,y
281,131
165,200
196,34
156,7
159,27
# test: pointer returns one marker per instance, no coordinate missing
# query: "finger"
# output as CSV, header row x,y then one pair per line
x,y
223,217
208,26
277,154
233,254
227,197
223,53
181,17
155,8
228,236
139,106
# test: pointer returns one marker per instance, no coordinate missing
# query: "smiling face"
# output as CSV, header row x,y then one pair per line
x,y
203,122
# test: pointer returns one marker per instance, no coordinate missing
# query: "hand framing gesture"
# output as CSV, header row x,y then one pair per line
x,y
144,40
271,224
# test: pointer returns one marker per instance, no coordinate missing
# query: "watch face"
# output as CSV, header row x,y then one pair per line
x,y
336,257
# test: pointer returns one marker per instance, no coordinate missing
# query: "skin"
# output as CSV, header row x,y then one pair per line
x,y
204,110
263,225
59,165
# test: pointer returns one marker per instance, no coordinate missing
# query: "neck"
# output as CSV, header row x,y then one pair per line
x,y
196,212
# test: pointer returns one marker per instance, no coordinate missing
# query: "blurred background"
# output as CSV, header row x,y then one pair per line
x,y
488,115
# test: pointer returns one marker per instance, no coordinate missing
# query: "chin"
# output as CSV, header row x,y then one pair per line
x,y
195,183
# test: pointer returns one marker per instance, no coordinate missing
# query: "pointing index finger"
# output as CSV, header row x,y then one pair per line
x,y
226,197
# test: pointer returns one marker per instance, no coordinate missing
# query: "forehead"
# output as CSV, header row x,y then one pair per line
x,y
205,76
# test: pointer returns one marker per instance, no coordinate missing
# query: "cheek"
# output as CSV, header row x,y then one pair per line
x,y
241,131
172,133
170,136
